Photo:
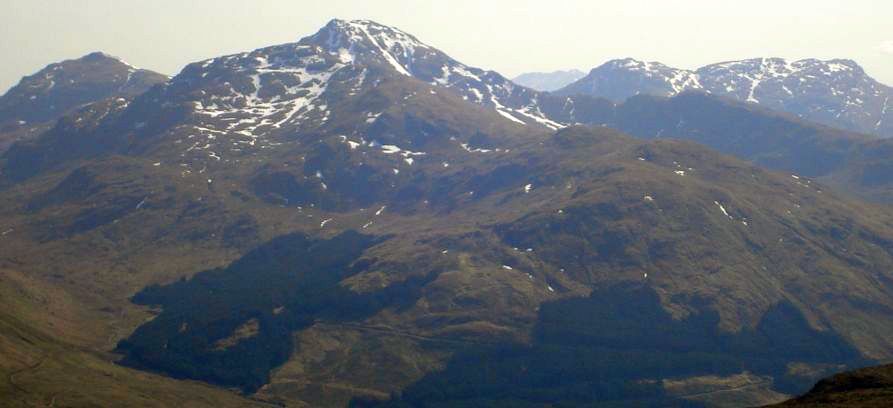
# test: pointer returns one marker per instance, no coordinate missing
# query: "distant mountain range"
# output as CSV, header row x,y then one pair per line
x,y
358,219
548,81
836,92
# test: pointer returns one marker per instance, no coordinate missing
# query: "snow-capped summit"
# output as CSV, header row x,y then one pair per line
x,y
621,78
297,84
380,91
835,92
348,39
365,41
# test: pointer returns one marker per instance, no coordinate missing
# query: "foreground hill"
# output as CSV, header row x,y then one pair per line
x,y
677,241
322,223
35,103
835,92
46,359
864,388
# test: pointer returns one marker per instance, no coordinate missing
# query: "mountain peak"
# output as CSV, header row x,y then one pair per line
x,y
40,99
350,39
623,62
357,54
633,64
100,57
97,55
619,79
347,25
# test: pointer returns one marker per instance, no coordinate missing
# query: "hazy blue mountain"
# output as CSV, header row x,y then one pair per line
x,y
548,81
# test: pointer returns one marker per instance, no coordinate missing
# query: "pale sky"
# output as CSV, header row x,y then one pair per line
x,y
510,37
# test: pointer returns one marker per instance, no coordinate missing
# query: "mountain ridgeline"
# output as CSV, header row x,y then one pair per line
x,y
852,162
836,92
358,219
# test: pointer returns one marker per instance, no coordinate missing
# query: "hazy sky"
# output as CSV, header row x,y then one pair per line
x,y
507,36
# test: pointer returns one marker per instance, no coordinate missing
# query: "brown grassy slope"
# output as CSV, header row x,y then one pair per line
x,y
42,362
711,255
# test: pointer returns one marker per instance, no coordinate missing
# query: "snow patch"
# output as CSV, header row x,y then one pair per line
x,y
723,209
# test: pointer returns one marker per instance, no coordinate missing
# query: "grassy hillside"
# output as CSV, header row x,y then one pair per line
x,y
44,360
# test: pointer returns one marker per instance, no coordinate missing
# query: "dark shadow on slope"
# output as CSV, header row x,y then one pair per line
x,y
231,326
613,348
